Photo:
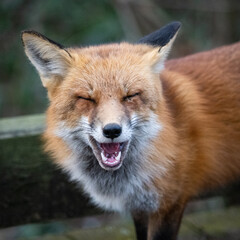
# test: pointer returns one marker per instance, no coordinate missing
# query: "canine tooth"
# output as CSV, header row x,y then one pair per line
x,y
103,157
118,156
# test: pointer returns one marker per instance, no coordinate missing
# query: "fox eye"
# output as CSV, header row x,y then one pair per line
x,y
87,99
129,97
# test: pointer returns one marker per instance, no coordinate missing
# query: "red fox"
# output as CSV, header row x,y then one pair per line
x,y
139,133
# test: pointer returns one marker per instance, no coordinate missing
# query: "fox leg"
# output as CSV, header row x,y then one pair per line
x,y
165,226
141,225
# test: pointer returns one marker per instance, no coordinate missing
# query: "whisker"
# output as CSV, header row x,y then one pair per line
x,y
82,129
138,121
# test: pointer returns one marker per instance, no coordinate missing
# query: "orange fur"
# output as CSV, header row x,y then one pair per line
x,y
196,99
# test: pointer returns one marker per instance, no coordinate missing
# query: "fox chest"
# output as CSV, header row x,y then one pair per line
x,y
126,189
122,195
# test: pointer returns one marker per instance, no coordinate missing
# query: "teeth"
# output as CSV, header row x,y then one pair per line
x,y
103,157
118,156
112,163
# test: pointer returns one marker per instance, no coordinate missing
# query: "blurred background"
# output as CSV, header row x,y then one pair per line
x,y
205,24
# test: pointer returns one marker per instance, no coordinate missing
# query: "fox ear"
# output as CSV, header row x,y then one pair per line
x,y
49,58
162,39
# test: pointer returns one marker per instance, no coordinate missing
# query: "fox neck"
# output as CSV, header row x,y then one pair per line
x,y
130,184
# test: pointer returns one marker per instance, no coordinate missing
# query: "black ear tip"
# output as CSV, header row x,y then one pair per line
x,y
162,36
39,35
22,33
171,28
30,32
175,25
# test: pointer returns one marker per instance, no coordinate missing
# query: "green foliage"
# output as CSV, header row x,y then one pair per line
x,y
70,22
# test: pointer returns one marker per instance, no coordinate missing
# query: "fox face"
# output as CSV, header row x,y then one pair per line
x,y
103,114
109,109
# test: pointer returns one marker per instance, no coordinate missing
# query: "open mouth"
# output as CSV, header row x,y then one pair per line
x,y
110,155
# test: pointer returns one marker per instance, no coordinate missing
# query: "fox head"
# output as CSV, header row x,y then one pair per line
x,y
104,100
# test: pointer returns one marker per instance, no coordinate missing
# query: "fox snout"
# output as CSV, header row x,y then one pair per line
x,y
112,130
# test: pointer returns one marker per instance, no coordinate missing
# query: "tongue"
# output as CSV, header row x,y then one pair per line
x,y
111,154
110,148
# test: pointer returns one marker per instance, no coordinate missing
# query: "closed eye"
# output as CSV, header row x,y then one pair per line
x,y
129,97
87,99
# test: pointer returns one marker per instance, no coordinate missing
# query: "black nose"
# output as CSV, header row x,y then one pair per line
x,y
112,130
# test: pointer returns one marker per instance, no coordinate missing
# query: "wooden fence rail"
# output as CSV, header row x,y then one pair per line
x,y
31,188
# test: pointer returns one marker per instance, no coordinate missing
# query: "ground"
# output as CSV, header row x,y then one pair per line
x,y
219,224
